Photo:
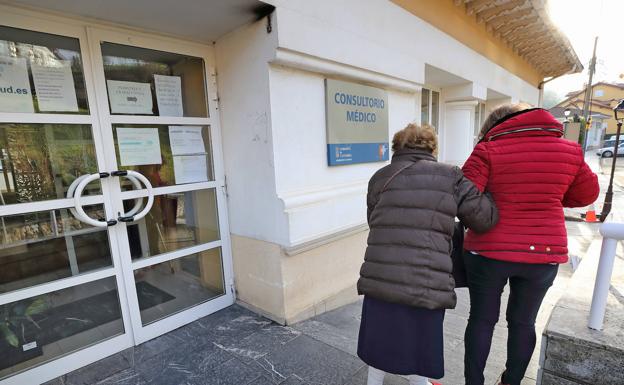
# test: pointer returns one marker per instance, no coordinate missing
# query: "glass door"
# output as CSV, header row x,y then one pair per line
x,y
113,222
158,112
61,282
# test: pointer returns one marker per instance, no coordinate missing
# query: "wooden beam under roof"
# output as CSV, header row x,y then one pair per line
x,y
499,21
526,27
534,30
529,41
504,29
478,5
497,10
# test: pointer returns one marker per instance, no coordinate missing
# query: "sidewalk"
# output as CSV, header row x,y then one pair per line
x,y
238,347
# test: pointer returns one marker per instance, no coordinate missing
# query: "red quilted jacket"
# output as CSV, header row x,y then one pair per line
x,y
532,173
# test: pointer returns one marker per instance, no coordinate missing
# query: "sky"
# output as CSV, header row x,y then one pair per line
x,y
581,21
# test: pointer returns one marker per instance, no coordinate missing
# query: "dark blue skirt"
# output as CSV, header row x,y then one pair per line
x,y
400,339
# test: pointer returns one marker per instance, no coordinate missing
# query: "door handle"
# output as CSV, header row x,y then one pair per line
x,y
75,191
132,215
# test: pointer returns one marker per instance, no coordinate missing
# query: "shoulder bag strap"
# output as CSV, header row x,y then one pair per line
x,y
410,164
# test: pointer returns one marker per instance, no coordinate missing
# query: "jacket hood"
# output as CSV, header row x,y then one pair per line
x,y
531,122
412,154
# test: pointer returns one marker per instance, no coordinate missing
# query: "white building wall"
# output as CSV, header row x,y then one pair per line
x,y
380,36
243,81
319,200
273,110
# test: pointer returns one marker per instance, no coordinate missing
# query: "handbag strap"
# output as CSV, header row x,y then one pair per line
x,y
410,164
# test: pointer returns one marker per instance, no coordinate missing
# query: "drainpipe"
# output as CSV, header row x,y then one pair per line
x,y
540,87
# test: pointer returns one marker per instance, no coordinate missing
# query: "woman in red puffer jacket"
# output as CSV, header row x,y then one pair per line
x,y
532,173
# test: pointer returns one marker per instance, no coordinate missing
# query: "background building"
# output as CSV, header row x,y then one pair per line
x,y
604,97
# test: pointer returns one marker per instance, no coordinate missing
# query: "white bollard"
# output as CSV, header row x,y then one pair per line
x,y
611,232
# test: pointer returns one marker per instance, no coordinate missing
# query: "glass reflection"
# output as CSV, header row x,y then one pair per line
x,y
176,221
40,161
142,67
45,246
38,330
49,52
179,284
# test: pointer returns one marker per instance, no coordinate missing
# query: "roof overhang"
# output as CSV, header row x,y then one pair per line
x,y
200,20
526,27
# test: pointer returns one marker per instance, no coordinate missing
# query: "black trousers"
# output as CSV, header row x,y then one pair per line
x,y
528,285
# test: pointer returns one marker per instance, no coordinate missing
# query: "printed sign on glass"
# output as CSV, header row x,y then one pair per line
x,y
169,95
138,146
14,86
357,123
130,97
55,89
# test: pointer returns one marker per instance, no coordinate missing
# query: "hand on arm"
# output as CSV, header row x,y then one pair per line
x,y
475,209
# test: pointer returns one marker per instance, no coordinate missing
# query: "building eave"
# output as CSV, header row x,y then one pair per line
x,y
526,27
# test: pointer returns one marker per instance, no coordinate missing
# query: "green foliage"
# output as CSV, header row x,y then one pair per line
x,y
9,336
16,314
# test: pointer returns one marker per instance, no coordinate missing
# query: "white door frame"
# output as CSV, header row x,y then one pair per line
x,y
96,36
89,35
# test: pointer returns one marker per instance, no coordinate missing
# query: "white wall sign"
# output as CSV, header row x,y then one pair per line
x,y
190,169
357,123
138,146
55,87
130,97
186,140
169,95
15,95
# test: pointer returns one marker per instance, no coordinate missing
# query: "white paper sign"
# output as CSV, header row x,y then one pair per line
x,y
29,346
138,146
186,140
190,169
130,97
169,95
15,95
55,87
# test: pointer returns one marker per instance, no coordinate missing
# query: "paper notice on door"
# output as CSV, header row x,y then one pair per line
x,y
169,95
130,97
15,95
55,87
138,146
190,169
186,140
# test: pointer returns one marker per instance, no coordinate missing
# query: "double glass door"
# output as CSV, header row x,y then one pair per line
x,y
112,214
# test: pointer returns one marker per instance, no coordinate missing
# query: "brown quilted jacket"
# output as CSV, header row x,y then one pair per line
x,y
411,224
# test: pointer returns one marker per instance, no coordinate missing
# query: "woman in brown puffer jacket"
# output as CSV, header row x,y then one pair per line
x,y
407,278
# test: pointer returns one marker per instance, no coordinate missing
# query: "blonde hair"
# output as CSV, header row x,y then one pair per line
x,y
498,113
414,136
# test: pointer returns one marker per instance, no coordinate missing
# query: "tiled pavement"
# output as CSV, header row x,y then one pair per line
x,y
237,347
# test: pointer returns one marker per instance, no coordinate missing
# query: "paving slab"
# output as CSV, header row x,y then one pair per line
x,y
313,361
572,351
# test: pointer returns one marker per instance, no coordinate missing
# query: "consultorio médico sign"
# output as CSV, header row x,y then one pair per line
x,y
357,123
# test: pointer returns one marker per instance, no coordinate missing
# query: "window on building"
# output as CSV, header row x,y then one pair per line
x,y
430,107
424,106
435,109
479,118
